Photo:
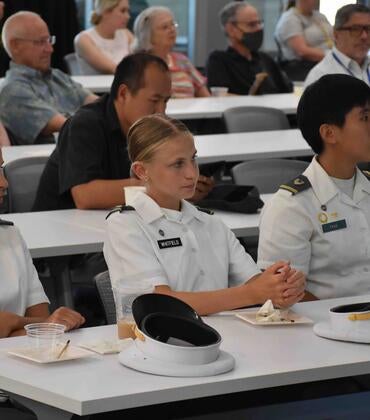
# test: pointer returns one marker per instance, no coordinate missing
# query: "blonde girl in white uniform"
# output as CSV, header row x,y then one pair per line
x,y
185,252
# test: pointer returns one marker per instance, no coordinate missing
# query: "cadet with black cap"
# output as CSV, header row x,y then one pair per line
x,y
320,221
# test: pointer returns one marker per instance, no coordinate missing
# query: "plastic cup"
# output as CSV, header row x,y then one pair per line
x,y
45,338
124,294
219,91
131,192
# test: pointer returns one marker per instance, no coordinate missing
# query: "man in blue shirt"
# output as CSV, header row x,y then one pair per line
x,y
35,100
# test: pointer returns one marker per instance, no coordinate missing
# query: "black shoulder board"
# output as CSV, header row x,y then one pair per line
x,y
208,211
6,223
297,185
120,209
367,174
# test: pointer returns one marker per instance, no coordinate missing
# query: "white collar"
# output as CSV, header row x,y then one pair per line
x,y
325,188
150,211
349,62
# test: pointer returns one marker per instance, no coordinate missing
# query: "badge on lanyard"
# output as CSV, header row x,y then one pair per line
x,y
169,243
337,225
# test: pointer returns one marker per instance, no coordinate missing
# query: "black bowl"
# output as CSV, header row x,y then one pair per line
x,y
354,307
164,326
154,302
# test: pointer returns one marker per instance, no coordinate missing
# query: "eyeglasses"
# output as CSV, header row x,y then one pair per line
x,y
167,26
250,25
356,30
50,40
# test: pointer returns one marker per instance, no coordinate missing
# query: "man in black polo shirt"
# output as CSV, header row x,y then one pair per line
x,y
242,68
90,165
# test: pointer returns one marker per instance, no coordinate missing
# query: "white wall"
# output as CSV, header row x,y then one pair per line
x,y
205,34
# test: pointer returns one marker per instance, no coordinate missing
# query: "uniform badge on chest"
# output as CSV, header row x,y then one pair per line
x,y
329,221
337,225
169,243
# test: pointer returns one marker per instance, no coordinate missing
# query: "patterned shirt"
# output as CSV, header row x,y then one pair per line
x,y
29,99
186,79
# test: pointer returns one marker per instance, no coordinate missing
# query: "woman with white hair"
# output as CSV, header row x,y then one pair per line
x,y
100,48
155,32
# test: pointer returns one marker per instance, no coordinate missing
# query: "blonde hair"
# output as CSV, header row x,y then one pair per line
x,y
100,6
149,133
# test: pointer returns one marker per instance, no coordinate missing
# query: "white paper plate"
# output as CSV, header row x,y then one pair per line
x,y
106,346
325,330
39,356
291,318
133,358
228,313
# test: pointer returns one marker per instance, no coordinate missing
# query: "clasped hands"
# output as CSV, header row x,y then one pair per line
x,y
281,283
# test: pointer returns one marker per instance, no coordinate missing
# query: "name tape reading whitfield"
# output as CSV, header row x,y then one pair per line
x,y
169,243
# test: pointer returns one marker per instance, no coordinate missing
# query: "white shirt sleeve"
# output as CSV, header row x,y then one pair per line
x,y
285,233
289,26
316,73
129,253
35,291
241,264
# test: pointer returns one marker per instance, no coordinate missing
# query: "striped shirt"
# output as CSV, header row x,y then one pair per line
x,y
186,79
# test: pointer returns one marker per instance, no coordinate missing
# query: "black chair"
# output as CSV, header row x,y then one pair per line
x,y
254,118
72,64
267,174
23,177
104,287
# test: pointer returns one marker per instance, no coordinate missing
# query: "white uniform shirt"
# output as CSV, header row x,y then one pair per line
x,y
196,253
20,286
330,65
336,263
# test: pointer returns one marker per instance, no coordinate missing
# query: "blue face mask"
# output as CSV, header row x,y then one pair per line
x,y
253,40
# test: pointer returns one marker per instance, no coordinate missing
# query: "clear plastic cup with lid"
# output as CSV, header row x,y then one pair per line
x,y
125,292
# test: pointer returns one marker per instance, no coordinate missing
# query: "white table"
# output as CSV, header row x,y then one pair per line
x,y
248,146
97,84
197,108
68,232
265,357
213,147
214,107
11,153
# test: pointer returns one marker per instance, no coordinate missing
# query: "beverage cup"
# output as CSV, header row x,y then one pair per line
x,y
45,338
219,91
124,294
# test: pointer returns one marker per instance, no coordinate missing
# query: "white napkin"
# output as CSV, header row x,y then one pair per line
x,y
106,346
267,313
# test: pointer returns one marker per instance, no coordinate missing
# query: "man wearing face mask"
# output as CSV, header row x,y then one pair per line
x,y
242,67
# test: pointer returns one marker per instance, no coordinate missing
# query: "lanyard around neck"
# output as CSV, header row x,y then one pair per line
x,y
349,71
